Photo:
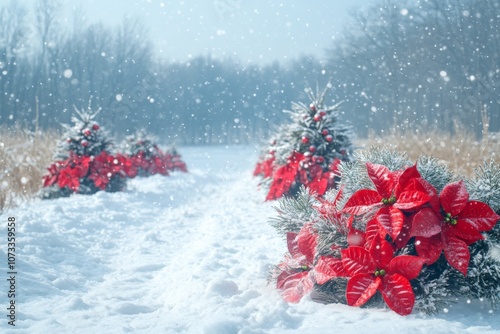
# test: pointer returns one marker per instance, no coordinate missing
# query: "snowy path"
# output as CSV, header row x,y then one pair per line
x,y
186,253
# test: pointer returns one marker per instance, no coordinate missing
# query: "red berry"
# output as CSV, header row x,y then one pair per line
x,y
307,154
87,132
317,118
68,140
322,113
329,138
312,148
95,127
85,143
324,132
312,107
305,140
320,159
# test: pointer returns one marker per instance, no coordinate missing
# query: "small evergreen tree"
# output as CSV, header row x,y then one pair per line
x,y
85,164
306,151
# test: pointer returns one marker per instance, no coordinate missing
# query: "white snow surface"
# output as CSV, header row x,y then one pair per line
x,y
189,253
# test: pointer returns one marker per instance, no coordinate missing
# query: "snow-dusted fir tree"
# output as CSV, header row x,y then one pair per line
x,y
308,149
415,236
84,137
84,163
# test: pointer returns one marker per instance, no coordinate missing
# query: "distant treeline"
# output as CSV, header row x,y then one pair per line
x,y
400,64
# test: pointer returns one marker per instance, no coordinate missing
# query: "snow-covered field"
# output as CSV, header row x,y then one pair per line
x,y
186,253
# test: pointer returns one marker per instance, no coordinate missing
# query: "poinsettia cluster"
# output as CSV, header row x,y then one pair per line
x,y
148,158
298,170
381,239
307,151
88,174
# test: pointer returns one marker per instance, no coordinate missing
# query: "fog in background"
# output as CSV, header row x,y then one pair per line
x,y
222,71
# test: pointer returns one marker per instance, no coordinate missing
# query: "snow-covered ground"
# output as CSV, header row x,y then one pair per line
x,y
186,253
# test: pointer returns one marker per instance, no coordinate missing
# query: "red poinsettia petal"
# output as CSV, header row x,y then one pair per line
x,y
456,252
383,179
406,265
307,242
397,293
356,238
291,242
372,229
426,223
405,235
425,186
479,215
328,267
283,180
406,177
294,286
391,220
258,169
412,199
360,288
362,201
464,230
295,159
319,186
357,260
454,197
429,248
381,252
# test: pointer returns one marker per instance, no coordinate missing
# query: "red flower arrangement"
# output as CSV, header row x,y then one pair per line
x,y
87,174
299,171
147,157
157,163
403,228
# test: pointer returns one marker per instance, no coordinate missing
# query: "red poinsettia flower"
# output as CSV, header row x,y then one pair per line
x,y
101,170
285,177
52,177
140,161
297,278
158,166
377,269
127,165
265,168
395,193
178,164
69,177
101,181
458,223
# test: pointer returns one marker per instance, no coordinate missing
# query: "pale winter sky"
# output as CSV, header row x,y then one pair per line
x,y
250,30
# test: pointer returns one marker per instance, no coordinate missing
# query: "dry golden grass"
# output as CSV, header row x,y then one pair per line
x,y
24,157
461,152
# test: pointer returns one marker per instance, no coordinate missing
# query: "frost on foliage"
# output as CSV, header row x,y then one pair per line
x,y
293,212
431,292
483,277
304,125
84,137
331,227
486,185
353,174
434,172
